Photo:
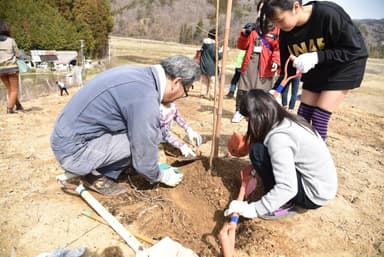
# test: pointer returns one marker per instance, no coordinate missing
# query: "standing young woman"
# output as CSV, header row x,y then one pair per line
x,y
329,49
208,65
9,72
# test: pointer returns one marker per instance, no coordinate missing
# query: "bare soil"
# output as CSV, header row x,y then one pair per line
x,y
37,216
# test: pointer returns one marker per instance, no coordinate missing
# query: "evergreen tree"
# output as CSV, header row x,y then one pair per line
x,y
59,24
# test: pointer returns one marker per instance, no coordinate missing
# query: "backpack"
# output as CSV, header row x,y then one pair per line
x,y
23,67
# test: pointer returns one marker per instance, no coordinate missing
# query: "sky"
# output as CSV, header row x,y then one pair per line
x,y
361,9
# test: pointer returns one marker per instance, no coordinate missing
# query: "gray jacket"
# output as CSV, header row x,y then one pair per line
x,y
8,52
294,148
121,100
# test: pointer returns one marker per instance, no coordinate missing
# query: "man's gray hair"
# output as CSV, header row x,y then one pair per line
x,y
181,66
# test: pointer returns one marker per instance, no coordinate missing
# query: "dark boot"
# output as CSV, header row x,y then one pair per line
x,y
10,110
19,107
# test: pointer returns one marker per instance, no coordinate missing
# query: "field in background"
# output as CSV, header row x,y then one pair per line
x,y
145,52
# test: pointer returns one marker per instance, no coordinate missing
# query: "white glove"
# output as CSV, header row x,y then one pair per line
x,y
274,67
273,92
242,208
186,151
194,135
169,175
305,62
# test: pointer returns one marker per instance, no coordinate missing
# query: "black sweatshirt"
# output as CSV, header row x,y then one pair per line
x,y
340,46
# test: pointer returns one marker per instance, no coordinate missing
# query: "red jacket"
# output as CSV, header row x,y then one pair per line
x,y
267,56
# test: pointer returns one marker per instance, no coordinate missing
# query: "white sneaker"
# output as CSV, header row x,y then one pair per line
x,y
237,117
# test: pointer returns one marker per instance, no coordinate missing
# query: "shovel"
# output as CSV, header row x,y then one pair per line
x,y
166,247
182,160
286,79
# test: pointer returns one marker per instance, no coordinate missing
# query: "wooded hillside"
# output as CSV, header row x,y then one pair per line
x,y
373,32
183,21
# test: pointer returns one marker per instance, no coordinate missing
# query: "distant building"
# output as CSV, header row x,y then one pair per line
x,y
57,60
41,58
65,59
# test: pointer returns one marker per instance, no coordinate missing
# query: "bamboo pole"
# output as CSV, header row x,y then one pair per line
x,y
218,112
212,155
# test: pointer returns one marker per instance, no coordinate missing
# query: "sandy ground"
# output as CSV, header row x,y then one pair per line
x,y
36,216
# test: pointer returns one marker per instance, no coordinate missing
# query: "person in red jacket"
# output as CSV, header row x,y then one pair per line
x,y
261,61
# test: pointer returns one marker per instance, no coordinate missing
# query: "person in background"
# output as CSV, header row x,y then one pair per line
x,y
112,124
169,113
9,71
236,75
261,61
288,155
295,83
208,65
62,87
329,49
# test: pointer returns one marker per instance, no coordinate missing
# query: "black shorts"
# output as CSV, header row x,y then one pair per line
x,y
335,77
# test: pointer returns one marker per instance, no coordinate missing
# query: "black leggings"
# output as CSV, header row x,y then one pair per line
x,y
239,97
261,162
236,76
63,90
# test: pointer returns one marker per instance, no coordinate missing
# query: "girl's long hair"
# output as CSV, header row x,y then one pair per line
x,y
268,9
4,28
263,113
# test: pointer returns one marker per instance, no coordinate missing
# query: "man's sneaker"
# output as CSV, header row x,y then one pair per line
x,y
237,117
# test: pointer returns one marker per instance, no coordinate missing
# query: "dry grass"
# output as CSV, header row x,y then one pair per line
x,y
144,51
